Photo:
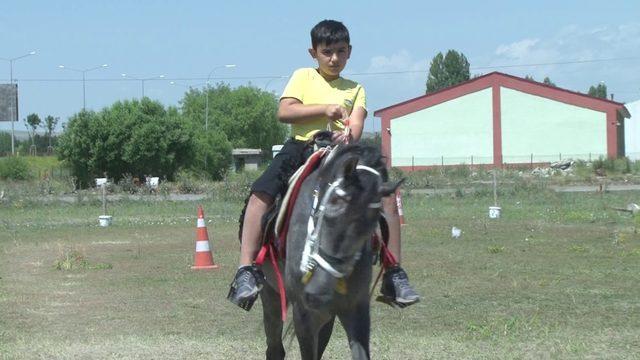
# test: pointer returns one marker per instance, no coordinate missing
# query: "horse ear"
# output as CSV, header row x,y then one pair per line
x,y
389,188
349,167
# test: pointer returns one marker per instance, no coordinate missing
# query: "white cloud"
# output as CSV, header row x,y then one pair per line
x,y
517,49
400,61
576,43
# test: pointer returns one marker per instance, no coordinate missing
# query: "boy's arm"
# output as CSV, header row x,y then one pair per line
x,y
356,122
293,111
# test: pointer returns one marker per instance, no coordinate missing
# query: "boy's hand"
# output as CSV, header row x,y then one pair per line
x,y
340,137
336,112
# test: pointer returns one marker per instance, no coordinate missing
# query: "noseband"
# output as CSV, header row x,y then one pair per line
x,y
312,255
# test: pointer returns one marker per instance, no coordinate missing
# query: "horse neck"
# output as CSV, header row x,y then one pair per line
x,y
299,217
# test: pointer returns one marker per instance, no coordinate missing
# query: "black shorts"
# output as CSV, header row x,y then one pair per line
x,y
275,180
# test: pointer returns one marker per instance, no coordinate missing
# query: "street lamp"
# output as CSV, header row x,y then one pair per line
x,y
206,111
83,72
273,79
13,100
173,83
142,80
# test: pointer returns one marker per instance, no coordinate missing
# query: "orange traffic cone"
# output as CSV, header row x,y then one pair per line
x,y
399,205
203,258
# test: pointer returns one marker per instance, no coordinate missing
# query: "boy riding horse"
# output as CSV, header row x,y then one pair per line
x,y
313,100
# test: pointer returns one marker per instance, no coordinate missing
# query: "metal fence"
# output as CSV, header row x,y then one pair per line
x,y
531,159
30,151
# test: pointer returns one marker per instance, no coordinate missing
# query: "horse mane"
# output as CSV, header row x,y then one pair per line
x,y
367,155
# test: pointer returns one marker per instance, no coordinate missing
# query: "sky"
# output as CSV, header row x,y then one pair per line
x,y
575,43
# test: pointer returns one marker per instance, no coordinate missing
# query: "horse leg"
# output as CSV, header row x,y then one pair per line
x,y
308,325
272,322
324,336
357,325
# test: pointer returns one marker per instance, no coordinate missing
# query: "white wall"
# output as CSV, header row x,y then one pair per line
x,y
451,132
549,129
632,131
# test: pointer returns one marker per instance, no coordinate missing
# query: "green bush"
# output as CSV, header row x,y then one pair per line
x,y
236,185
128,184
458,172
130,137
602,165
214,147
5,142
189,182
622,165
15,168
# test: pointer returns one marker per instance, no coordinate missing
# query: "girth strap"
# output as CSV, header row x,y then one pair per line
x,y
268,249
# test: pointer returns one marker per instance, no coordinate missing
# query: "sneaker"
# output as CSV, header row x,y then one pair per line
x,y
245,286
396,290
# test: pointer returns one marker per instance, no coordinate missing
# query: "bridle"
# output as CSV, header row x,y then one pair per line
x,y
312,254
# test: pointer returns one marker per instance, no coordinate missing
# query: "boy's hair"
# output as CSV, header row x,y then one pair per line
x,y
329,32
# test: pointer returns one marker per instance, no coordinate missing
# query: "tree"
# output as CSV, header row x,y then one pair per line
x,y
447,70
138,137
375,140
246,115
216,149
548,81
33,121
76,144
49,125
598,91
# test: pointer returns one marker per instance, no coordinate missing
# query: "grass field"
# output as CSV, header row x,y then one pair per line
x,y
556,277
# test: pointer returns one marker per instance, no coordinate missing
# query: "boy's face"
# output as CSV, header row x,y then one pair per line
x,y
331,58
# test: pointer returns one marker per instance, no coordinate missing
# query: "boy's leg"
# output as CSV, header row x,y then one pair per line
x,y
393,221
257,206
248,280
395,283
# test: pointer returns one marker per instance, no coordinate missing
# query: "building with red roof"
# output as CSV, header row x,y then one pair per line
x,y
499,119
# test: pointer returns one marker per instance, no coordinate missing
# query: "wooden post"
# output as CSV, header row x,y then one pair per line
x,y
412,163
532,160
104,199
495,189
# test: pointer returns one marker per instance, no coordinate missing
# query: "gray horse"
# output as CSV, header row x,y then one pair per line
x,y
332,223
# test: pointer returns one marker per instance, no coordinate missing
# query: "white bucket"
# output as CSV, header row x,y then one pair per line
x,y
494,212
105,220
455,232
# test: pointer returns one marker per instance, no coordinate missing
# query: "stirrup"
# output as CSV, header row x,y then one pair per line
x,y
246,303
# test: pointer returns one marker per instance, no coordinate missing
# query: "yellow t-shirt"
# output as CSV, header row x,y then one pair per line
x,y
308,86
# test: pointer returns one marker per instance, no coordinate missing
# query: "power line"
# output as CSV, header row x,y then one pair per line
x,y
120,79
503,66
228,78
556,63
262,77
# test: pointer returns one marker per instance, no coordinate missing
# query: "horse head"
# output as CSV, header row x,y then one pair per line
x,y
348,204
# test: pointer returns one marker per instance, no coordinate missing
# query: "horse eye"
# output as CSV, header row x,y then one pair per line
x,y
339,199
